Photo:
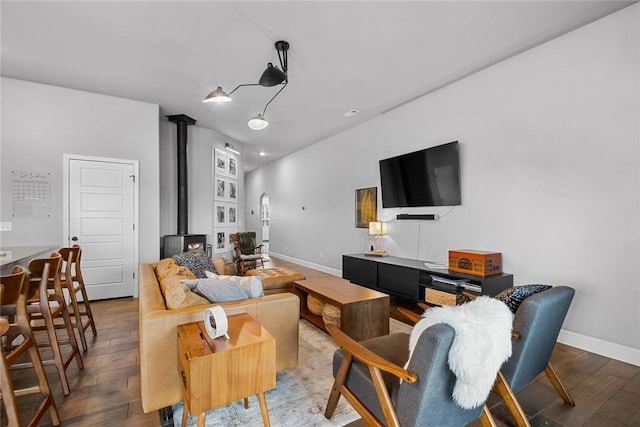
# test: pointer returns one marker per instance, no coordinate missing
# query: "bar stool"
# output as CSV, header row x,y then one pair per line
x,y
13,297
45,271
71,278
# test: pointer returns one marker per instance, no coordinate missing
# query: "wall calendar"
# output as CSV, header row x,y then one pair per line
x,y
31,194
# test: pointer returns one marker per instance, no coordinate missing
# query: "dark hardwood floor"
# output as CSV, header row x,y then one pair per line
x,y
107,391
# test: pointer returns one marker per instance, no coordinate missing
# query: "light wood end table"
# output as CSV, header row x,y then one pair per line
x,y
216,372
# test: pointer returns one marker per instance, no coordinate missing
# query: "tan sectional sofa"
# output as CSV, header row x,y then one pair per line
x,y
160,382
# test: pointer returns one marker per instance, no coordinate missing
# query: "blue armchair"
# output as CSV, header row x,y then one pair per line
x,y
370,376
536,327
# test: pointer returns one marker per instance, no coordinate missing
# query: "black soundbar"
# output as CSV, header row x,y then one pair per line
x,y
430,217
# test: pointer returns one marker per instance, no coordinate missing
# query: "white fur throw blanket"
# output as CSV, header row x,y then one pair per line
x,y
481,345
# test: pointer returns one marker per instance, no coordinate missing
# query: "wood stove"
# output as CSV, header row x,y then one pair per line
x,y
182,241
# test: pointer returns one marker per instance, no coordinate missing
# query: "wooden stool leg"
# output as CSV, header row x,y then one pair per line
x,y
87,308
77,315
246,403
202,419
55,347
264,410
8,395
45,389
185,414
75,350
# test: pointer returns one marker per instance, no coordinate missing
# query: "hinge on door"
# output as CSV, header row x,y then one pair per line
x,y
134,177
134,227
134,275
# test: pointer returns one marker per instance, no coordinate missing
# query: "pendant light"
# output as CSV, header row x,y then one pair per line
x,y
271,76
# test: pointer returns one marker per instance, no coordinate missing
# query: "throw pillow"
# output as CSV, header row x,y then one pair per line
x,y
251,285
514,296
197,261
216,290
177,295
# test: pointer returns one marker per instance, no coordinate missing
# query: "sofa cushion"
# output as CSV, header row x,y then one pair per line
x,y
197,261
177,295
251,285
169,267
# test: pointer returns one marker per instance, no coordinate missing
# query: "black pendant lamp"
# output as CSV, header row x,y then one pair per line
x,y
272,76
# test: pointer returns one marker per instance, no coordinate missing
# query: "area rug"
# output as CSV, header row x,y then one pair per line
x,y
300,396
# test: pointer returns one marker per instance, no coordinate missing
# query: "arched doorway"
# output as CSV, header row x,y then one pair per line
x,y
264,220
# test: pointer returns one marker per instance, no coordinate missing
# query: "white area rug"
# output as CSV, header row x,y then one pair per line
x,y
301,394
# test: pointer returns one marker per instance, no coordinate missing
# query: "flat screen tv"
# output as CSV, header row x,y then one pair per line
x,y
429,177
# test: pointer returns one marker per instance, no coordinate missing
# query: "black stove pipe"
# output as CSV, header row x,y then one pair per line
x,y
182,121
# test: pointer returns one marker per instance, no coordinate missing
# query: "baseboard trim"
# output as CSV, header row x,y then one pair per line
x,y
601,347
304,263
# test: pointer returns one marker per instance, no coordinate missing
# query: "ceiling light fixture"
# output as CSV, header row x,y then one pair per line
x,y
271,76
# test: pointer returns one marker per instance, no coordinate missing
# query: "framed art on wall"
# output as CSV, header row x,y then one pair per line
x,y
366,206
232,166
232,190
220,240
220,162
220,215
221,189
232,218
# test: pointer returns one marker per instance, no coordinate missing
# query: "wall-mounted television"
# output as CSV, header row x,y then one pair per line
x,y
429,177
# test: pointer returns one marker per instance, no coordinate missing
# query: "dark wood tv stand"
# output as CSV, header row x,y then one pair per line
x,y
408,278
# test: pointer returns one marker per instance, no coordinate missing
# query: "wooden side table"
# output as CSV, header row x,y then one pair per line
x,y
216,372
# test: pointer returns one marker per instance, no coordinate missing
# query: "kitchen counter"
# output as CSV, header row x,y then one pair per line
x,y
21,255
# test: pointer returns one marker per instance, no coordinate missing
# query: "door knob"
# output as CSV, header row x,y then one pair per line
x,y
74,238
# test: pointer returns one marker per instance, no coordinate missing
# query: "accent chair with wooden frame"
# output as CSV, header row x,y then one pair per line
x,y
370,376
247,252
536,326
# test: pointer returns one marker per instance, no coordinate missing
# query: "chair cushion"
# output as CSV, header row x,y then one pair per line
x,y
394,348
515,295
197,261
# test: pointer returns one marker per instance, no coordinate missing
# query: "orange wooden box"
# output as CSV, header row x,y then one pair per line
x,y
478,263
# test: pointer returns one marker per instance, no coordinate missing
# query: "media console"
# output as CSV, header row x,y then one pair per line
x,y
409,278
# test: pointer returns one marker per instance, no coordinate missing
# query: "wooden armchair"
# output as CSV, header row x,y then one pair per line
x,y
536,326
247,252
371,377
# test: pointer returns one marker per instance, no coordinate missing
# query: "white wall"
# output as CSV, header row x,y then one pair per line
x,y
550,177
41,123
200,145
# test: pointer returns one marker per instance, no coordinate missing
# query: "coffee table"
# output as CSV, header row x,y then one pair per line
x,y
216,372
364,313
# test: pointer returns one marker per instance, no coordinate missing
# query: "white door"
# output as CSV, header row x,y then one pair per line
x,y
101,221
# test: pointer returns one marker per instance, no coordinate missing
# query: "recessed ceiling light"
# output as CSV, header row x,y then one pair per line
x,y
351,113
261,153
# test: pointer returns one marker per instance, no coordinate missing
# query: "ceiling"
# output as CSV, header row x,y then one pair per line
x,y
370,56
